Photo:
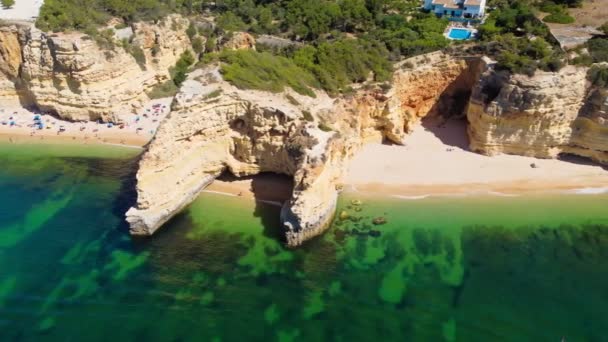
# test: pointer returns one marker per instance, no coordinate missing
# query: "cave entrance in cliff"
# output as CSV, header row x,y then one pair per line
x,y
268,190
447,117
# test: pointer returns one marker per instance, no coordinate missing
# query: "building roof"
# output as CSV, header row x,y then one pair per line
x,y
448,3
472,2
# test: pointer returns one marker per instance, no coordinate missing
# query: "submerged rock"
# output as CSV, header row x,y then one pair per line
x,y
374,233
356,203
343,215
379,220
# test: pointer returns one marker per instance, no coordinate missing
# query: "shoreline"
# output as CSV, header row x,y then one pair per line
x,y
16,138
242,189
20,125
523,187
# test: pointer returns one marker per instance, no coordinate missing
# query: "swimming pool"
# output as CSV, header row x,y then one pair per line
x,y
459,34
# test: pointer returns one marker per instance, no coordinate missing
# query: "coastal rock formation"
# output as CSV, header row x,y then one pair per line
x,y
70,75
541,116
215,127
240,41
10,62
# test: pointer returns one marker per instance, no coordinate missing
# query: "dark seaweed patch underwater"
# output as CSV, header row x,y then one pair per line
x,y
456,269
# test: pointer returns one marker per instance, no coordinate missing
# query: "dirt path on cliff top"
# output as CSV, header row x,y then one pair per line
x,y
436,159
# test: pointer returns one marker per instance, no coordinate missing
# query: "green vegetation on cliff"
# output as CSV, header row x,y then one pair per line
x,y
261,70
331,66
518,40
343,41
598,76
7,3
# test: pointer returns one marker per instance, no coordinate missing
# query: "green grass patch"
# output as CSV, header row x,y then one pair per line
x,y
163,90
247,69
559,18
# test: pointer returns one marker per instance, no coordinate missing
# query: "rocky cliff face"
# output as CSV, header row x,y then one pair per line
x,y
215,127
70,75
541,116
10,64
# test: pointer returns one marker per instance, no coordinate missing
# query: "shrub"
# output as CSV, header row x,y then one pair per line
x,y
582,60
191,31
213,94
180,71
197,45
105,39
230,22
598,49
324,127
248,69
340,63
551,7
211,44
137,53
559,18
162,90
307,116
598,76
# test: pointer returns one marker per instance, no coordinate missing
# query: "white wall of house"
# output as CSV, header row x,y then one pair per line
x,y
467,10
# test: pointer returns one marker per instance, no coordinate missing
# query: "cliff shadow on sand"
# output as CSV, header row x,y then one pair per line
x,y
451,131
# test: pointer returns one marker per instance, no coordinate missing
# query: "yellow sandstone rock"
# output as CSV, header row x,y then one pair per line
x,y
541,116
247,132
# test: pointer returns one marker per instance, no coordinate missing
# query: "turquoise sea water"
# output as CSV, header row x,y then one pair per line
x,y
452,269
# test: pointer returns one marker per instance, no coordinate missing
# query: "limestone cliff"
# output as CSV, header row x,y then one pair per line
x,y
70,75
10,63
215,127
540,116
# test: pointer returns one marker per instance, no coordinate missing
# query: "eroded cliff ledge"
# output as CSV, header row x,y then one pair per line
x,y
541,116
215,127
69,75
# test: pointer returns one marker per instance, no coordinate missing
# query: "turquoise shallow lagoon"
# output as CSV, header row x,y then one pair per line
x,y
449,269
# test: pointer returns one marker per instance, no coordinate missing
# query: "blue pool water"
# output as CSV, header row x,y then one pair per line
x,y
459,34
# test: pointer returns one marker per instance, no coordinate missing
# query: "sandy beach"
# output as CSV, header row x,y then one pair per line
x,y
22,10
266,187
435,160
20,125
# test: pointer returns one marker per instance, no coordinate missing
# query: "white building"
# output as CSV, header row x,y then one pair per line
x,y
457,8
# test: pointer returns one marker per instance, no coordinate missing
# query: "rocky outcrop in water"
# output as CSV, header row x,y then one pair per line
x,y
70,75
541,116
215,127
